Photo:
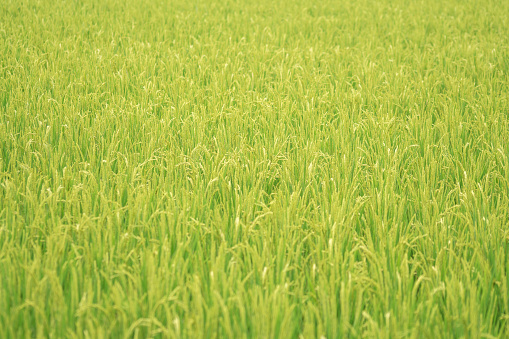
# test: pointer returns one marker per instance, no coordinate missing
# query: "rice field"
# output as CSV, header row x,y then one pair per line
x,y
254,169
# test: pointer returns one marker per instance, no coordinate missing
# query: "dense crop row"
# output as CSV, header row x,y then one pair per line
x,y
254,169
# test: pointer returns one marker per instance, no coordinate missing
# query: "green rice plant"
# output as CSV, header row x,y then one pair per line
x,y
241,169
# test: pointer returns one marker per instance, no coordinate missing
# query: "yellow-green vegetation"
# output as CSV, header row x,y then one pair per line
x,y
254,169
